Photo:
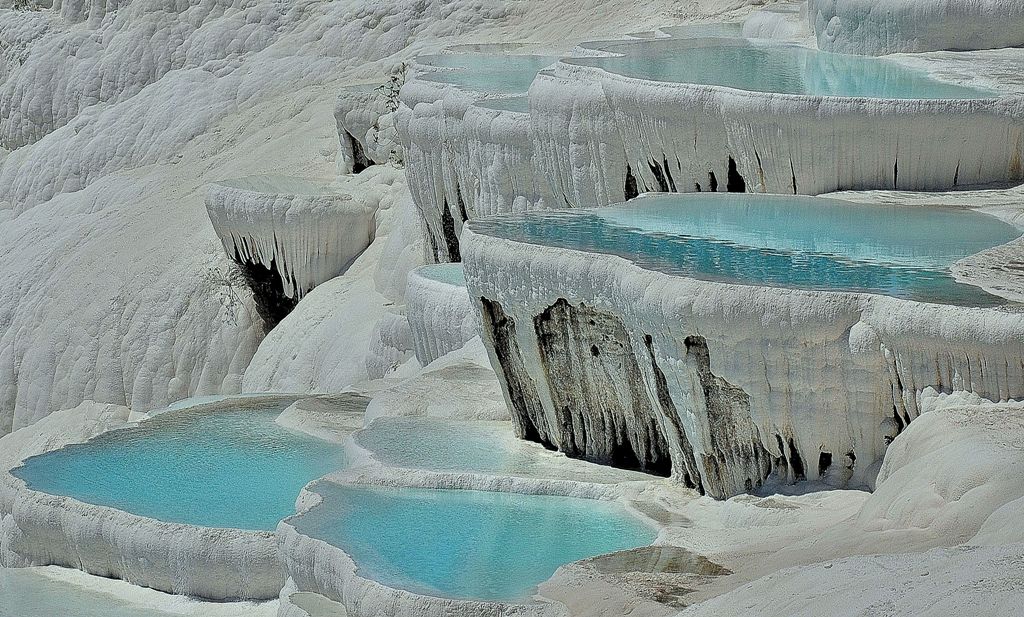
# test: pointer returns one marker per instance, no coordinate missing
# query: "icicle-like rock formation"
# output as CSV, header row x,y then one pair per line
x,y
304,230
876,27
725,386
439,313
466,157
598,130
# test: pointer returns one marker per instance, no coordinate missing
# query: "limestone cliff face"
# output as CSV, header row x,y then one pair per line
x,y
724,387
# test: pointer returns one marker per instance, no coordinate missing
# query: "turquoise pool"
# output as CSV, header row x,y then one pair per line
x,y
776,68
453,274
784,241
466,544
492,73
225,465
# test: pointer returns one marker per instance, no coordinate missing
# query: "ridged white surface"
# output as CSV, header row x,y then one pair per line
x,y
440,317
827,369
876,27
309,231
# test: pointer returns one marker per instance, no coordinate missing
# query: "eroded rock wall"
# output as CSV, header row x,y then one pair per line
x,y
741,386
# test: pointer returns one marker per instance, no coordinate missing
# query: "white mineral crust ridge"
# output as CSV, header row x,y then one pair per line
x,y
746,384
877,27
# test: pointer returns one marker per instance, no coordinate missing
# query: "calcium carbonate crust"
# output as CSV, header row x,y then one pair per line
x,y
677,136
440,316
741,385
464,160
309,231
592,138
873,27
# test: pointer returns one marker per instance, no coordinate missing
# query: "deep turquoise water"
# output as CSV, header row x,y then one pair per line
x,y
452,274
486,72
466,544
778,68
784,241
227,467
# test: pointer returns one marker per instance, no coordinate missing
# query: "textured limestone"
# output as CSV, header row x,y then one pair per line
x,y
465,158
874,27
307,231
677,136
441,319
748,384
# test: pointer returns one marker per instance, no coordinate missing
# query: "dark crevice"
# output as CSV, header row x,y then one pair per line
x,y
451,239
735,182
733,453
659,176
603,411
792,170
359,159
668,176
956,174
272,305
795,462
824,462
630,189
713,182
461,203
896,174
527,414
900,425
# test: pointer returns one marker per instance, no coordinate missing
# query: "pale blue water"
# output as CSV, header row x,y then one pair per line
x,y
24,592
786,69
710,30
445,445
466,544
484,72
227,467
784,241
453,274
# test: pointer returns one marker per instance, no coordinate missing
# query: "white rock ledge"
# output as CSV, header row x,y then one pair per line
x,y
740,385
307,230
591,138
464,157
440,315
876,27
675,135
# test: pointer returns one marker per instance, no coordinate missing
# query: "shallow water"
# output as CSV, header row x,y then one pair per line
x,y
453,274
25,593
226,467
446,445
466,544
777,68
484,72
785,241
